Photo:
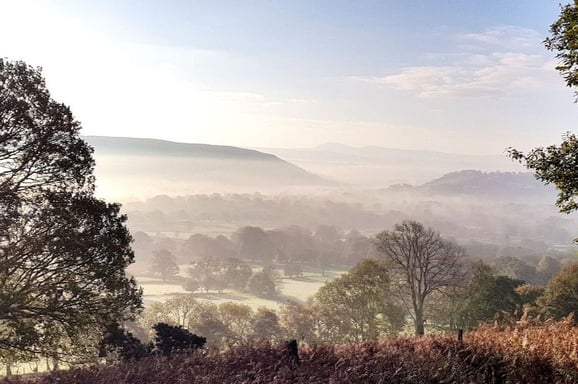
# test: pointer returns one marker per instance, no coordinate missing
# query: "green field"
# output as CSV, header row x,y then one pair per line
x,y
298,289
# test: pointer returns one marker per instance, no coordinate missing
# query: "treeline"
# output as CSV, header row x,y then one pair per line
x,y
186,214
325,245
220,262
503,223
364,304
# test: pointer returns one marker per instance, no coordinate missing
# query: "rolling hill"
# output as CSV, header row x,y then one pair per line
x,y
499,186
379,167
135,167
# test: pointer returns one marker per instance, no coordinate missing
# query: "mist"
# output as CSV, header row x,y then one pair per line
x,y
177,190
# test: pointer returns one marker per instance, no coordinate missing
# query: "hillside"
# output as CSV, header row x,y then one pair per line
x,y
145,167
378,166
503,186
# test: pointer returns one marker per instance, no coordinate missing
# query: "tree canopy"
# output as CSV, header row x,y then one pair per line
x,y
63,252
560,297
363,303
558,164
488,295
564,41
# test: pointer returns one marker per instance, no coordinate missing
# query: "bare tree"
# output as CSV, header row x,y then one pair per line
x,y
423,263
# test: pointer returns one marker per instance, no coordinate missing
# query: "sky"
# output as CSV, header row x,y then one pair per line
x,y
455,76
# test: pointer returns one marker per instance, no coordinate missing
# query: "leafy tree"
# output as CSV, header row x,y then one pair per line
x,y
514,268
238,319
529,295
198,247
63,253
237,274
263,283
164,264
300,322
209,274
422,263
254,244
207,321
172,339
179,310
547,268
564,41
560,297
357,248
143,245
328,234
487,295
292,244
266,325
118,341
558,164
362,299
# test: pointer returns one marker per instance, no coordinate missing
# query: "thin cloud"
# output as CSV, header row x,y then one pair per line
x,y
505,37
498,61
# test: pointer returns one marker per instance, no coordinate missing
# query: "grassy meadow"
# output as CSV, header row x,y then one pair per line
x,y
299,289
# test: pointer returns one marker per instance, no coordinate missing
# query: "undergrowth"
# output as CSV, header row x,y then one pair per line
x,y
519,353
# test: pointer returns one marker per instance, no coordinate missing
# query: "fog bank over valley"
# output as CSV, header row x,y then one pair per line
x,y
177,190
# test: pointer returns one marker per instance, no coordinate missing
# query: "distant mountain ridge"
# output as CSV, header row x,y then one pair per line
x,y
149,147
139,167
380,166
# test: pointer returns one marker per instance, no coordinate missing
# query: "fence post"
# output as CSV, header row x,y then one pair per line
x,y
460,335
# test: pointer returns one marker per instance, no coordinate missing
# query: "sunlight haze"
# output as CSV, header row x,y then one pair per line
x,y
459,76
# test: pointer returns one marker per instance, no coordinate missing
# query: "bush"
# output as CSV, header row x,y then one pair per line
x,y
122,343
172,339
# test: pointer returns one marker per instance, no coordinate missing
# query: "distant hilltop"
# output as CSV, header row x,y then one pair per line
x,y
140,167
511,186
379,166
155,147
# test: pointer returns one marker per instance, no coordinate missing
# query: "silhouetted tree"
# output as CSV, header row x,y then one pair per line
x,y
63,252
170,340
119,341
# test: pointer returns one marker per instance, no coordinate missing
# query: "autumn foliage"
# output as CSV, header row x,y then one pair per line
x,y
523,352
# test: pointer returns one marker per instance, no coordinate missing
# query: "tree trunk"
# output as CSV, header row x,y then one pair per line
x,y
419,326
8,369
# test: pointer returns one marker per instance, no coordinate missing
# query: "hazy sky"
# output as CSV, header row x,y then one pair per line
x,y
464,76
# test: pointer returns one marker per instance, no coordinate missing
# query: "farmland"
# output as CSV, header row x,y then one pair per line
x,y
298,289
